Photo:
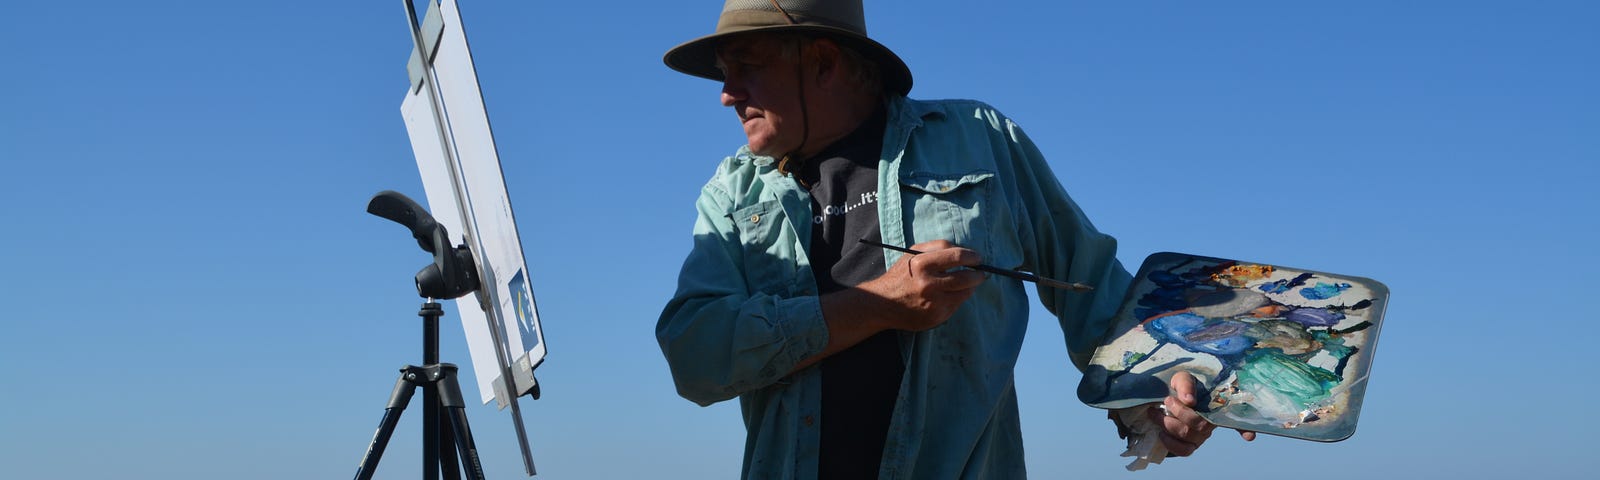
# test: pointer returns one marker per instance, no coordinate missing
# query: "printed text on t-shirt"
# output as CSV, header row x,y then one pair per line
x,y
867,198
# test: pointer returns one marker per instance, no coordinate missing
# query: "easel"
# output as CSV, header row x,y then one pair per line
x,y
457,271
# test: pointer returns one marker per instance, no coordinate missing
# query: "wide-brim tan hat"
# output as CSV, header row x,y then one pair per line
x,y
840,20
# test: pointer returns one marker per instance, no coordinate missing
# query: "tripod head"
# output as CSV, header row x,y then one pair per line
x,y
452,273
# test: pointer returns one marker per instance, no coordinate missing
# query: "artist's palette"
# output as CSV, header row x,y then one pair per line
x,y
1279,350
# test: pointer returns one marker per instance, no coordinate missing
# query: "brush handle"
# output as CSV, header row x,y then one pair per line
x,y
1024,276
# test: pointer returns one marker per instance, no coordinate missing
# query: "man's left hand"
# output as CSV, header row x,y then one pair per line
x,y
1183,429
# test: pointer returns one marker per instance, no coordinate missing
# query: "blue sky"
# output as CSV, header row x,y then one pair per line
x,y
195,292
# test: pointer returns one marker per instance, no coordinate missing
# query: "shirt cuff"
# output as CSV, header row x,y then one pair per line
x,y
805,331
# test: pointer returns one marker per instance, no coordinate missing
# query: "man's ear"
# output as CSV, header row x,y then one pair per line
x,y
825,55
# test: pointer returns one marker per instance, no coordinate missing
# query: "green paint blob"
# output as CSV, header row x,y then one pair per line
x,y
1296,384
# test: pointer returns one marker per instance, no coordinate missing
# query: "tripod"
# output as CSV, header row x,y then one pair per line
x,y
442,436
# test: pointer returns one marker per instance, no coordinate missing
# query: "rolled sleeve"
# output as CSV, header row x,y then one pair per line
x,y
721,338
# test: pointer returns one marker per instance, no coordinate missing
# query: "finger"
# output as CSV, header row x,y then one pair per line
x,y
1176,408
933,245
1247,435
1186,423
1155,414
1172,432
1184,431
1183,435
947,259
960,280
953,282
1177,447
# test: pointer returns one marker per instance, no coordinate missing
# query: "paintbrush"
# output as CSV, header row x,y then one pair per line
x,y
1024,276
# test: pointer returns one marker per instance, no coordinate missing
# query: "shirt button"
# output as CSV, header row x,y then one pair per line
x,y
808,420
755,218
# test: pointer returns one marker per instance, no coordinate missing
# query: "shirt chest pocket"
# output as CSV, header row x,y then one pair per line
x,y
769,247
963,208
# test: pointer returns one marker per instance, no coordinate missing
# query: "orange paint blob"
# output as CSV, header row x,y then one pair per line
x,y
1239,275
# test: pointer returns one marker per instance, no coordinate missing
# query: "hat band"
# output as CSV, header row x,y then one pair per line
x,y
739,20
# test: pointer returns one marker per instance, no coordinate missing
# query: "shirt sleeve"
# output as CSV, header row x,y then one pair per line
x,y
720,338
1061,243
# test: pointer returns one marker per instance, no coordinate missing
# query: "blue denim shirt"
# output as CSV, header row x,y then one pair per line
x,y
746,310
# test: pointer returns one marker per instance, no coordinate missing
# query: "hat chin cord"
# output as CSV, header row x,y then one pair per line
x,y
805,116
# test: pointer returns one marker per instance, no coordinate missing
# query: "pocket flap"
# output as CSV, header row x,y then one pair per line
x,y
752,217
938,183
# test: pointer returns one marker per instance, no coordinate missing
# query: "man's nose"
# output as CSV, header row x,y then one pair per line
x,y
732,94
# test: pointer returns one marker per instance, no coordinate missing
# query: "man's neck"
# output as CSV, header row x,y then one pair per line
x,y
846,118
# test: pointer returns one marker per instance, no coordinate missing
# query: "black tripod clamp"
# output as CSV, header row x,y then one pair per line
x,y
413,376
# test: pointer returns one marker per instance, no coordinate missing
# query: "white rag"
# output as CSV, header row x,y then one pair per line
x,y
1144,436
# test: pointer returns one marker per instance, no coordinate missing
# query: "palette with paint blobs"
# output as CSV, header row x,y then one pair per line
x,y
1281,351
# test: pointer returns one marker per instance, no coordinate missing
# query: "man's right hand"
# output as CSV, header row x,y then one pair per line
x,y
920,292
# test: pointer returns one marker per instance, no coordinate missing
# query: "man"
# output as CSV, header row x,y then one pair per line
x,y
852,361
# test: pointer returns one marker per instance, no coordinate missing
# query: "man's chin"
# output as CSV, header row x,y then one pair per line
x,y
763,150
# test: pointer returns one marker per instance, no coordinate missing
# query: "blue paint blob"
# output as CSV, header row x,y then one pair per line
x,y
1284,285
1314,317
1324,291
1143,313
1166,299
1214,331
1200,334
1166,279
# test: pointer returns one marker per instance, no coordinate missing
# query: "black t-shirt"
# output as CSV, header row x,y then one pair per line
x,y
861,383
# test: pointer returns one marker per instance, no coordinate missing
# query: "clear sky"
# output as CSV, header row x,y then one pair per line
x,y
195,292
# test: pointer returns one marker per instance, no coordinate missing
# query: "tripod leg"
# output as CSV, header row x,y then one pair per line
x,y
469,451
398,399
446,445
455,408
430,431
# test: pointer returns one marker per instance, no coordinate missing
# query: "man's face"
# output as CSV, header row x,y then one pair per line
x,y
762,87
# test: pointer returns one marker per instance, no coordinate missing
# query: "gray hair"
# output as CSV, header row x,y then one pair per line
x,y
864,72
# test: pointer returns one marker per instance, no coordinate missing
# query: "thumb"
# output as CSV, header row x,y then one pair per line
x,y
1183,387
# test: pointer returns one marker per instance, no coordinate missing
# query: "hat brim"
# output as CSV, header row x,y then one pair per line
x,y
698,57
